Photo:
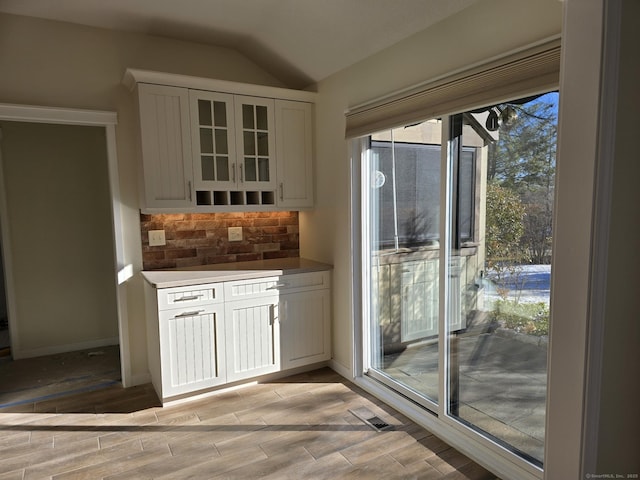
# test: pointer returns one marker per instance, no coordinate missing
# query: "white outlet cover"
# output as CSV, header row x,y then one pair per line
x,y
156,238
235,234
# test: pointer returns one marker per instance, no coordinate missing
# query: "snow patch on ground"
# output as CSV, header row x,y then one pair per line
x,y
531,284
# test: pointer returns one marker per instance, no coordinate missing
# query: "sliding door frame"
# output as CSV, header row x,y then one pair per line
x,y
433,416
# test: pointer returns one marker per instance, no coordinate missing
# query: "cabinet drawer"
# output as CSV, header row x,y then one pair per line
x,y
261,287
190,296
252,288
304,281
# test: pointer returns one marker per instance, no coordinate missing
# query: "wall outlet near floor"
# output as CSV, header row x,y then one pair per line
x,y
235,234
156,238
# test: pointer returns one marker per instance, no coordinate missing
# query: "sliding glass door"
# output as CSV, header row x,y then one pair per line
x,y
403,179
456,216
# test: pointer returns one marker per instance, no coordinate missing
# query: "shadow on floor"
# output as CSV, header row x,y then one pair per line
x,y
36,380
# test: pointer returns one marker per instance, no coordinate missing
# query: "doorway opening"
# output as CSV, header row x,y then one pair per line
x,y
62,246
5,343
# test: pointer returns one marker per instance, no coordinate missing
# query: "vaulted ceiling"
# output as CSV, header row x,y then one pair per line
x,y
298,41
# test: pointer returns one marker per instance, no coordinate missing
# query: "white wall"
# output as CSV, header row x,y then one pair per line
x,y
59,64
484,30
59,222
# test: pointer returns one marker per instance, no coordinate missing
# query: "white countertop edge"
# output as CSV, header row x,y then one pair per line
x,y
226,272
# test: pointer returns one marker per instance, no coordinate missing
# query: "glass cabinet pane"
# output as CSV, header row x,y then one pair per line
x,y
249,143
220,114
247,117
206,140
204,112
222,168
261,118
221,141
208,172
250,169
263,143
263,169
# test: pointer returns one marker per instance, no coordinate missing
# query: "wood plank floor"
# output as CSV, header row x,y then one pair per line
x,y
306,426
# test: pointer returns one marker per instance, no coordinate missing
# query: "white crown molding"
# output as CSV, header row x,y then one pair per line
x,y
134,76
67,116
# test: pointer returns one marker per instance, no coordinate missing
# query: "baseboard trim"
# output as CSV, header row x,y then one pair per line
x,y
341,370
69,347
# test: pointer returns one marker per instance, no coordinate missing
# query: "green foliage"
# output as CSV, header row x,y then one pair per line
x,y
504,229
523,160
529,318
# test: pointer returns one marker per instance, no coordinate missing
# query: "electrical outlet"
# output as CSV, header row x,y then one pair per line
x,y
156,238
235,234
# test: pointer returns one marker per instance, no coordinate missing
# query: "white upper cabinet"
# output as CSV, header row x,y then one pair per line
x,y
212,132
256,143
166,146
294,147
212,146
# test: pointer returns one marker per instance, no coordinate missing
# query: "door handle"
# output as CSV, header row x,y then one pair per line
x,y
190,297
189,314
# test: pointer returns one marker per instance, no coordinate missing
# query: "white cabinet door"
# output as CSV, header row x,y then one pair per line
x,y
255,143
420,311
166,146
213,140
305,327
252,337
192,349
294,150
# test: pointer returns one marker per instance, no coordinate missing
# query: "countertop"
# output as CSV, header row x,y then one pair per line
x,y
224,272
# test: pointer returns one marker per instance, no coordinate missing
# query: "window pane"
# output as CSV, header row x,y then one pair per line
x,y
403,184
499,288
466,195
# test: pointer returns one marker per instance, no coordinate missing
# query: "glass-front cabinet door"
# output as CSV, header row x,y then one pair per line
x,y
255,143
213,140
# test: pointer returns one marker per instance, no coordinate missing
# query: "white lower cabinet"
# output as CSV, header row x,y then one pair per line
x,y
252,338
193,358
205,335
305,322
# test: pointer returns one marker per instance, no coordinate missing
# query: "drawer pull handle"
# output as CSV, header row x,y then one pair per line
x,y
186,299
189,314
278,285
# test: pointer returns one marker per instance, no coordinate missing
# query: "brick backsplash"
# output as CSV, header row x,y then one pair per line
x,y
202,239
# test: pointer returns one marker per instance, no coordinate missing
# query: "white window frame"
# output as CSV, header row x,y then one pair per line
x,y
483,450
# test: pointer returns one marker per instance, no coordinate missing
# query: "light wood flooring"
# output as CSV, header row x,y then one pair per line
x,y
302,427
